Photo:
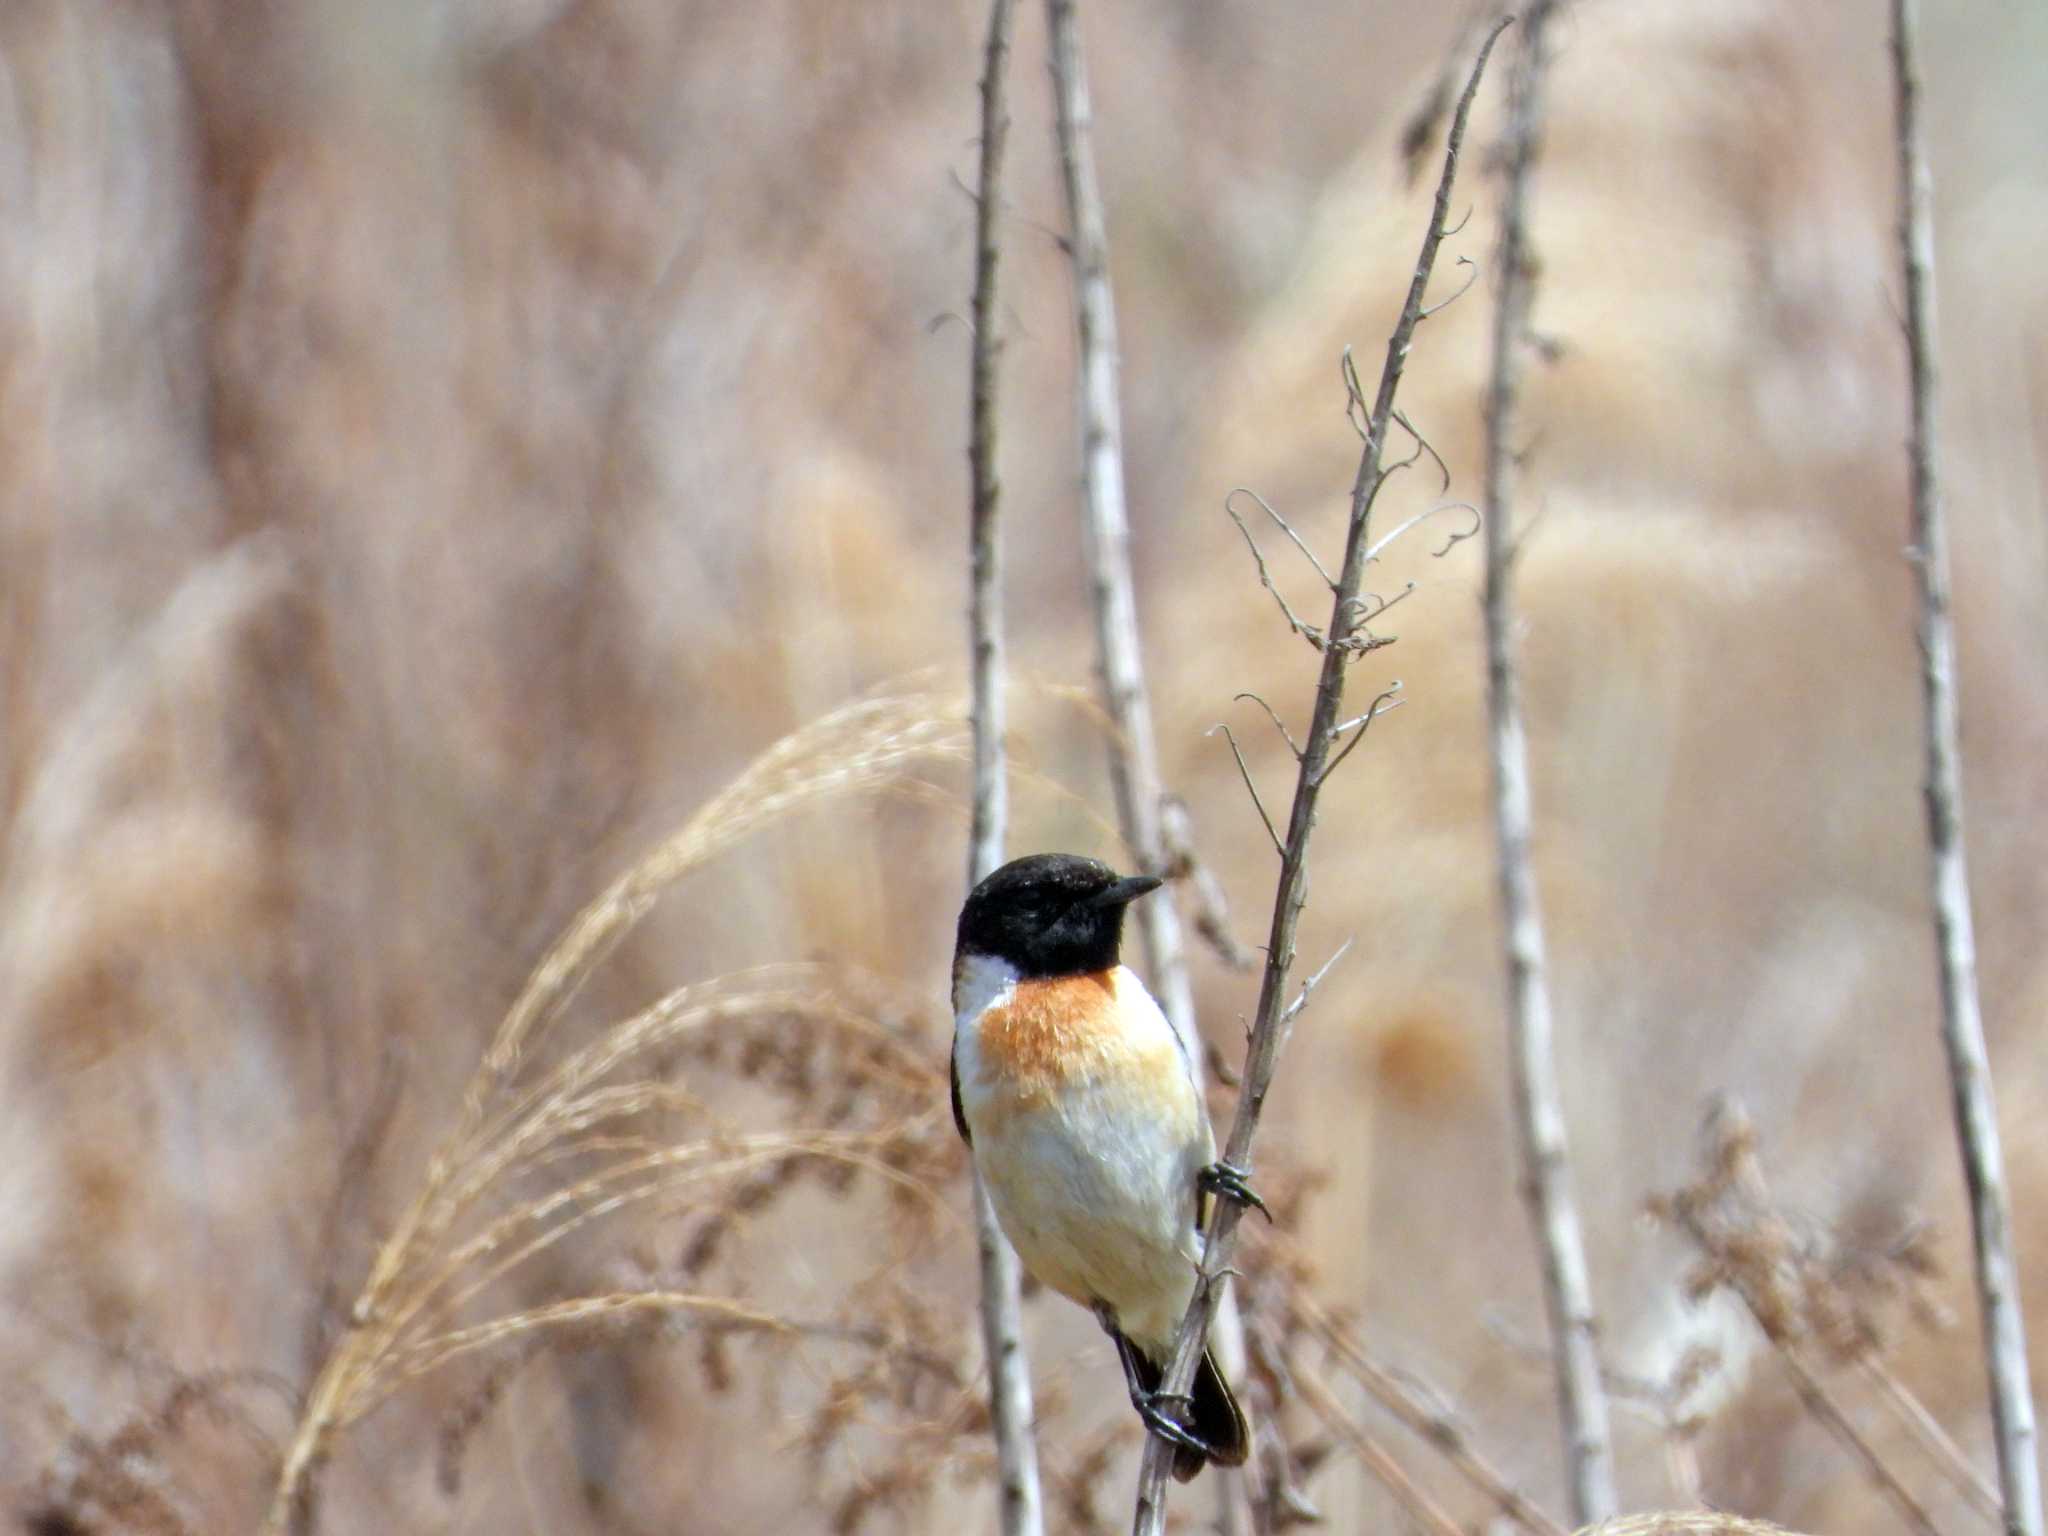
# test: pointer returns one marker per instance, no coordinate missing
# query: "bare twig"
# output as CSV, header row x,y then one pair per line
x,y
1421,125
1278,724
1663,1403
1002,1321
1387,700
352,1180
985,599
1443,304
1438,510
1422,444
1426,1419
1539,1113
1134,755
1422,1509
1940,1447
1270,1028
1251,788
1307,552
1315,980
1824,1406
1962,1032
1306,630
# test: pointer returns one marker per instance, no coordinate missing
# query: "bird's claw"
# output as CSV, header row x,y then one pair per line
x,y
1232,1182
1165,1425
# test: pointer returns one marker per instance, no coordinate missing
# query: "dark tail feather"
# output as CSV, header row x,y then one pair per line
x,y
1216,1419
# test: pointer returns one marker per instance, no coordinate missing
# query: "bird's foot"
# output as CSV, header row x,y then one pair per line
x,y
1154,1410
1233,1183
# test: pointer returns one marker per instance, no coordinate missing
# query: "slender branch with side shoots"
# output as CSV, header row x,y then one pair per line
x,y
1345,639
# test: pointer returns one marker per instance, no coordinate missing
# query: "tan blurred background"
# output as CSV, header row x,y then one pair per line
x,y
439,446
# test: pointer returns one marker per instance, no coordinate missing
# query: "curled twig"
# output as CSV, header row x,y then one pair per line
x,y
1424,516
1278,724
1252,789
1307,631
1379,706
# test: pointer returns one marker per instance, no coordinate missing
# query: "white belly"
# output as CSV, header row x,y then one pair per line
x,y
1094,1181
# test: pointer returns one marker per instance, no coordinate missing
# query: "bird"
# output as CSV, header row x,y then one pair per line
x,y
1078,1103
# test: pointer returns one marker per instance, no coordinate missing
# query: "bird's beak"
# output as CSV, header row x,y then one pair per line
x,y
1128,889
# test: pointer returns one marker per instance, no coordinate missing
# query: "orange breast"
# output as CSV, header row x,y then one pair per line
x,y
1052,1031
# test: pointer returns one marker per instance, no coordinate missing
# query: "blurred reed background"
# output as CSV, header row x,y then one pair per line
x,y
440,447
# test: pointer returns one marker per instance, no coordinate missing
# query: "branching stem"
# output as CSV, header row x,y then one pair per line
x,y
1271,1025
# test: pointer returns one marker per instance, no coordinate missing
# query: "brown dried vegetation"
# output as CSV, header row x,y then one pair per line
x,y
442,447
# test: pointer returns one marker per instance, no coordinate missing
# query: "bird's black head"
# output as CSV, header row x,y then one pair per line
x,y
1051,914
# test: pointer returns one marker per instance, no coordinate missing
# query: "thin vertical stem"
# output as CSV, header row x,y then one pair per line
x,y
1962,1024
1106,528
1538,1107
1344,639
1106,538
1009,1377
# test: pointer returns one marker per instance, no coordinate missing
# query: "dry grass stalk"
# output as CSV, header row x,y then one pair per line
x,y
1665,1403
1436,1428
1804,1299
122,1481
1940,1447
861,746
578,1110
1684,1522
1420,1507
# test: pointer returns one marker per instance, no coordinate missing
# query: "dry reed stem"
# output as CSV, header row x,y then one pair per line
x,y
1020,1499
1106,528
1134,774
1538,1103
1962,1020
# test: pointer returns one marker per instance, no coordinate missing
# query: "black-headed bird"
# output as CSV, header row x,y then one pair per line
x,y
1078,1101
